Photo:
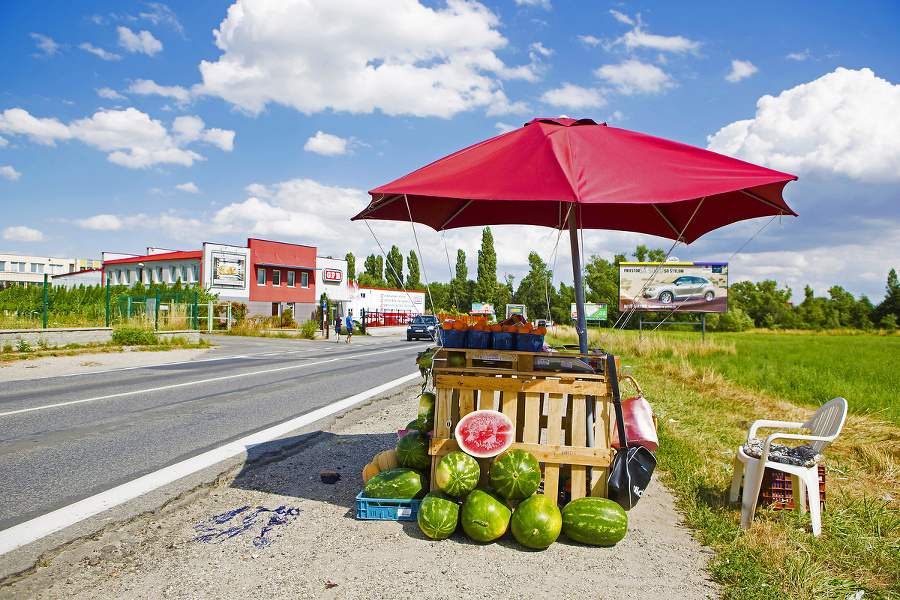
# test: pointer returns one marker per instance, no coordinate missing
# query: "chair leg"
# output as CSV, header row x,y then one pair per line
x,y
751,492
811,478
798,489
736,479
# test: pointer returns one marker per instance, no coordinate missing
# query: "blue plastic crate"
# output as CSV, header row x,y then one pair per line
x,y
453,338
385,509
480,340
503,340
529,342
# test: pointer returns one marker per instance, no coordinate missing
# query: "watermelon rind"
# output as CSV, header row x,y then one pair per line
x,y
484,433
438,515
536,523
396,484
515,474
594,521
457,473
484,515
412,450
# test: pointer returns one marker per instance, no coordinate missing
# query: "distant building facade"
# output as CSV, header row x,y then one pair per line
x,y
20,269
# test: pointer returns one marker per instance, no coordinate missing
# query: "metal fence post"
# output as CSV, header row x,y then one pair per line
x,y
156,316
45,300
107,301
209,317
228,327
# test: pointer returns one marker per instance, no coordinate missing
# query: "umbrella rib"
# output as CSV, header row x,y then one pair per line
x,y
764,201
456,214
378,205
668,222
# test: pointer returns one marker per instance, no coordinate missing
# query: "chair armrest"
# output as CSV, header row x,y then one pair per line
x,y
764,456
767,423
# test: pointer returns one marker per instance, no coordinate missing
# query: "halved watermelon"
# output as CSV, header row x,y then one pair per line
x,y
485,433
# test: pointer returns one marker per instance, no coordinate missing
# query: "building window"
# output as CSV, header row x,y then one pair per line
x,y
2,265
37,268
260,277
173,274
183,274
304,280
119,277
290,278
276,277
127,277
196,272
159,275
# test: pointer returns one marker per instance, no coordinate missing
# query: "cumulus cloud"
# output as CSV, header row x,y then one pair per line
x,y
638,38
740,69
142,42
148,87
545,4
99,52
45,44
326,144
621,17
162,14
799,55
110,94
574,97
359,56
589,40
100,223
20,233
635,77
190,187
8,172
845,123
131,137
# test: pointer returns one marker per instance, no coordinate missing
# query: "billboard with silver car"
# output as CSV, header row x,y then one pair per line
x,y
674,286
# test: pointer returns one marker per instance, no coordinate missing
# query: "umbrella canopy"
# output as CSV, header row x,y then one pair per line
x,y
618,179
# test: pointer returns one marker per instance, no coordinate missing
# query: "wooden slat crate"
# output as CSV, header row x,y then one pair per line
x,y
548,409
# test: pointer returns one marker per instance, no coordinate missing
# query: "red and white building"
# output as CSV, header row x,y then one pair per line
x,y
269,277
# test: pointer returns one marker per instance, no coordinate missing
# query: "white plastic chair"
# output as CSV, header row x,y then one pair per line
x,y
824,426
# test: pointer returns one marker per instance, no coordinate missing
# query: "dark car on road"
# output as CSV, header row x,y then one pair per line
x,y
422,326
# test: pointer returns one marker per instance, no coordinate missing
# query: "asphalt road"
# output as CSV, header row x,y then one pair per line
x,y
63,439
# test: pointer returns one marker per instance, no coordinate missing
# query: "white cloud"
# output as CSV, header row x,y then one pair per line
x,y
8,172
162,14
357,56
639,38
846,123
100,223
326,144
131,137
799,55
148,87
545,4
740,69
589,40
110,93
20,233
621,17
504,127
99,52
142,42
538,48
635,77
46,44
42,131
574,97
190,187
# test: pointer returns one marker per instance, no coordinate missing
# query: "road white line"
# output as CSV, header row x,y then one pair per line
x,y
189,383
35,529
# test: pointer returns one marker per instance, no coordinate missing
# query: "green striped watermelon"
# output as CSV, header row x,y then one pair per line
x,y
484,515
412,450
594,521
457,473
397,484
438,515
515,474
536,522
425,422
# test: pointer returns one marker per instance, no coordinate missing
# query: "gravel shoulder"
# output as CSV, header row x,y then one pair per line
x,y
274,529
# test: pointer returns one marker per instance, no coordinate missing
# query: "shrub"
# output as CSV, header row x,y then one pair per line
x,y
22,346
133,336
308,330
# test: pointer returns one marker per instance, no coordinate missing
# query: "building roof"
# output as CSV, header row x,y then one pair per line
x,y
168,256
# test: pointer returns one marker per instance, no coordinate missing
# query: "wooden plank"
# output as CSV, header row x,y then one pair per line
x,y
509,405
579,438
442,411
486,399
466,402
532,429
554,435
529,383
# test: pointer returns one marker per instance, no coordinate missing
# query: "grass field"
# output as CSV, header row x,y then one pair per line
x,y
707,394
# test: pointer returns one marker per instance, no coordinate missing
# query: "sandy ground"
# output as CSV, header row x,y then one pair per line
x,y
276,530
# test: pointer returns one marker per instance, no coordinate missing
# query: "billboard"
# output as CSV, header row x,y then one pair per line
x,y
228,269
674,286
592,312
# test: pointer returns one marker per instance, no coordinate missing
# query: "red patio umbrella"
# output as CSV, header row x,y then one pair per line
x,y
578,174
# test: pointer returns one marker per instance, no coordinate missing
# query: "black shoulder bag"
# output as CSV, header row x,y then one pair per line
x,y
633,466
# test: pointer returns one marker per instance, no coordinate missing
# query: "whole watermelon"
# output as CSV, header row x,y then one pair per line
x,y
536,522
457,473
396,484
438,515
425,422
412,450
484,515
515,474
594,521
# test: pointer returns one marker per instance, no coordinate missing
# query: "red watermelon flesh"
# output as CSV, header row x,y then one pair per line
x,y
485,433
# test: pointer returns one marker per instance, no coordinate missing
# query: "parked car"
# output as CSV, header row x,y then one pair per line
x,y
682,288
422,326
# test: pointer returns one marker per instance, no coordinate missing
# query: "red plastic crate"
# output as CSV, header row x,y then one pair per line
x,y
776,490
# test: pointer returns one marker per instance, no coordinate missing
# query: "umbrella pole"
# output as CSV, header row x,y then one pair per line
x,y
581,325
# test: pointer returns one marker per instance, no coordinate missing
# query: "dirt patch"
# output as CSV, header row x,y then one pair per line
x,y
276,530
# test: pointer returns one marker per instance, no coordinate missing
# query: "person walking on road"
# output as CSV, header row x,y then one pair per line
x,y
337,326
349,321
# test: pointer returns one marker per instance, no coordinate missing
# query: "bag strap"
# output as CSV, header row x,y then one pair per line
x,y
617,399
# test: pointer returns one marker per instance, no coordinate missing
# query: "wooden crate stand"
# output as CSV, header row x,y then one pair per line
x,y
548,410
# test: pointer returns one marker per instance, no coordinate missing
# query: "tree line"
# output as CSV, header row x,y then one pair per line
x,y
761,305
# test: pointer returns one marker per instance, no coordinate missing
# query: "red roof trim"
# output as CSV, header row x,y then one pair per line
x,y
156,258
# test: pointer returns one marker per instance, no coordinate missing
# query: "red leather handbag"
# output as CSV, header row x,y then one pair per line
x,y
640,430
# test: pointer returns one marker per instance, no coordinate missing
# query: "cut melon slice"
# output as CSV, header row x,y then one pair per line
x,y
485,433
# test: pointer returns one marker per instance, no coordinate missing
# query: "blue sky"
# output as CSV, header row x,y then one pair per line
x,y
128,124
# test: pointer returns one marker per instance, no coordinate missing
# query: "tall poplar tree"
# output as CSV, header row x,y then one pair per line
x,y
486,287
393,272
351,267
412,272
